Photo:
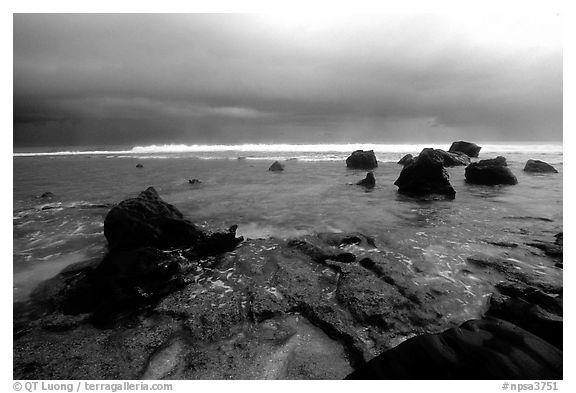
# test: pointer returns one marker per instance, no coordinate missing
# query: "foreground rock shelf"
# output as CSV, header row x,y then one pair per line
x,y
314,307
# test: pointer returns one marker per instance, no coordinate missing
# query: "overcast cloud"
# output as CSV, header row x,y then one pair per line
x,y
136,79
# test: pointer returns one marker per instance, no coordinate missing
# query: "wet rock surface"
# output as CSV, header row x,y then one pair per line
x,y
368,182
450,159
468,148
493,171
531,309
362,159
148,221
425,176
537,166
311,307
478,349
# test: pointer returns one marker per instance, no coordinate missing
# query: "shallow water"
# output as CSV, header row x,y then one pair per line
x,y
315,193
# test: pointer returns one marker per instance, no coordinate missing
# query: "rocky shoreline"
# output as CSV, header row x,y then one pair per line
x,y
172,301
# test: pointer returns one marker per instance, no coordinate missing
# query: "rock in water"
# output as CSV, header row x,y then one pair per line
x,y
490,172
538,166
452,159
368,182
425,176
139,166
478,349
47,194
361,159
276,166
468,148
141,266
407,159
148,221
194,181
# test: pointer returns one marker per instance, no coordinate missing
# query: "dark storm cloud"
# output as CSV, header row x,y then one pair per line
x,y
89,79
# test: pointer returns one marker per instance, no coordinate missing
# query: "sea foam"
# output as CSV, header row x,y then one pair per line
x,y
300,148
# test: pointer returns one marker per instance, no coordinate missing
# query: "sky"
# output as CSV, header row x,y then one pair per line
x,y
137,79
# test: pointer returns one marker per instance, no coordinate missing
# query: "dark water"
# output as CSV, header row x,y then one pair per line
x,y
432,238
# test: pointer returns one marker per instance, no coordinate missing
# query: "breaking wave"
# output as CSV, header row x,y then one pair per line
x,y
298,148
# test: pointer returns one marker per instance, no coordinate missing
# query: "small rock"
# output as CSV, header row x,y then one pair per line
x,y
139,166
368,182
194,181
47,194
276,166
537,166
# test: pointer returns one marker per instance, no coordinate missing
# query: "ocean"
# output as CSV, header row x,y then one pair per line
x,y
315,193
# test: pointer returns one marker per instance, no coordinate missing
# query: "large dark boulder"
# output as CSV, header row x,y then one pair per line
x,y
361,159
490,172
369,181
407,159
148,221
529,308
468,148
538,166
426,175
276,166
152,249
478,349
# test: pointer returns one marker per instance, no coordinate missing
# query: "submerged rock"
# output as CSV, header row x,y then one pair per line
x,y
468,148
477,349
426,175
139,166
361,159
490,172
537,166
519,272
407,159
276,166
194,181
368,182
46,195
